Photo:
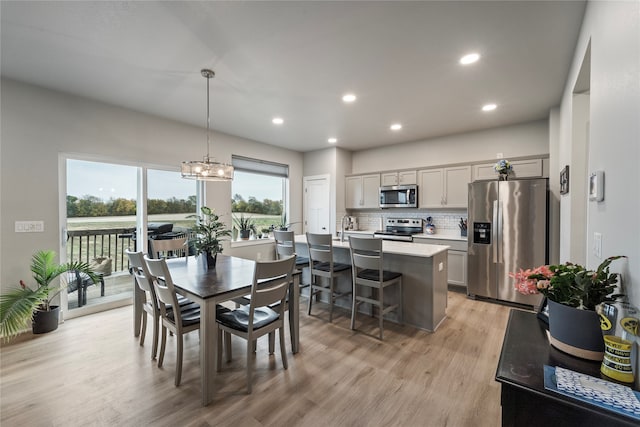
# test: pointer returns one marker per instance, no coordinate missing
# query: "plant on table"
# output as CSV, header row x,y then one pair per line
x,y
19,305
570,284
209,232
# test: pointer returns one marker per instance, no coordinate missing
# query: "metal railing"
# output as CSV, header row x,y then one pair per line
x,y
86,245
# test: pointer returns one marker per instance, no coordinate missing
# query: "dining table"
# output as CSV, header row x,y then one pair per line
x,y
231,278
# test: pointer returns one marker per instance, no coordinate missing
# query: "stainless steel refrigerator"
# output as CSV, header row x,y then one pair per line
x,y
507,231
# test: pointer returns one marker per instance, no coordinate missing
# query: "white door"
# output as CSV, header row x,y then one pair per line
x,y
317,204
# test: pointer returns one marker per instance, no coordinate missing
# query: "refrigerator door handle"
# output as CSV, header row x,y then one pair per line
x,y
499,233
494,232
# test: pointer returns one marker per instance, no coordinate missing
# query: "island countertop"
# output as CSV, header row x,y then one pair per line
x,y
392,247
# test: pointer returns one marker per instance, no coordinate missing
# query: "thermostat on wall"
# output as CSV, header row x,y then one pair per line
x,y
596,186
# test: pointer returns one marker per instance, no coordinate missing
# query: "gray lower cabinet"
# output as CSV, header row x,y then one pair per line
x,y
457,258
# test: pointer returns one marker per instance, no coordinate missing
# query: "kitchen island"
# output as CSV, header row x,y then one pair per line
x,y
424,279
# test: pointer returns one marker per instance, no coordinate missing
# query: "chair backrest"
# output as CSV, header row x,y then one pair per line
x,y
163,284
271,281
366,253
169,248
285,245
320,248
140,271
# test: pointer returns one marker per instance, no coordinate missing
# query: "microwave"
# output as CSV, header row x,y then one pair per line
x,y
399,196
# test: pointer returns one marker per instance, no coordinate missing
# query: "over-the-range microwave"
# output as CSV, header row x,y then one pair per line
x,y
399,196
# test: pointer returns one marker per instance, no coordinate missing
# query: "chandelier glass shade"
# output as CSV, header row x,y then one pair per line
x,y
207,169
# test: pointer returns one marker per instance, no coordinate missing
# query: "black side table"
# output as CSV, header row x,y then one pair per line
x,y
524,400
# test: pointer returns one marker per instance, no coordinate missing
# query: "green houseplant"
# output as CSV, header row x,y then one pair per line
x,y
20,305
245,225
209,232
573,293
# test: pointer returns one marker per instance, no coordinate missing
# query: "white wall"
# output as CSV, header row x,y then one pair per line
x,y
38,124
527,139
613,29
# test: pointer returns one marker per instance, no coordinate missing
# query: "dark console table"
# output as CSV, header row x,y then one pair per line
x,y
525,401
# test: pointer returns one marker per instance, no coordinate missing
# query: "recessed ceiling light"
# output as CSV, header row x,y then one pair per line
x,y
332,140
489,107
395,126
277,121
349,97
469,59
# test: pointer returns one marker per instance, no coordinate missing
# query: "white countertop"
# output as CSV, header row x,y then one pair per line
x,y
392,247
441,236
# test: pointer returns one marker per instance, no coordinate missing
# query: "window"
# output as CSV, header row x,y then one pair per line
x,y
259,191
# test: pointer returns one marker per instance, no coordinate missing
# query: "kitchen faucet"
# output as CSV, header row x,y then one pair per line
x,y
342,227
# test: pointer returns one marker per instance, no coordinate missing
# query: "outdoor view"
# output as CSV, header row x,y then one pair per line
x,y
101,214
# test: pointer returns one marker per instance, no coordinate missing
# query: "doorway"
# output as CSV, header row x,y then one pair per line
x,y
317,204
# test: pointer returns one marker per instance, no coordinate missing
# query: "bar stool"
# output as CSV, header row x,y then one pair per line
x,y
366,261
286,246
321,264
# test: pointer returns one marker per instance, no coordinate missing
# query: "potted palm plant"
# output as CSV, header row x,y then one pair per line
x,y
24,304
245,225
209,232
572,293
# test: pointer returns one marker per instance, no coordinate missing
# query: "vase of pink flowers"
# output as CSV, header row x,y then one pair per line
x,y
573,293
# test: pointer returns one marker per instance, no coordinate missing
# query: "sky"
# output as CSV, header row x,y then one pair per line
x,y
106,181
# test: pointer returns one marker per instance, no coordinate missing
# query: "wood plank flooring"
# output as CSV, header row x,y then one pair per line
x,y
92,372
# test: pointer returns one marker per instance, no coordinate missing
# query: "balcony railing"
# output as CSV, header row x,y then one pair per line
x,y
85,245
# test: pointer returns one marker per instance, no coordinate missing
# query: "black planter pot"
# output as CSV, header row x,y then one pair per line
x,y
575,331
244,234
46,321
211,260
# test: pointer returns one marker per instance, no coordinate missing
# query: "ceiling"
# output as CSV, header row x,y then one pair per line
x,y
296,59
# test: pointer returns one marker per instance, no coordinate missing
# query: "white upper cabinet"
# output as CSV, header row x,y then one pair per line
x,y
444,187
362,192
531,168
399,178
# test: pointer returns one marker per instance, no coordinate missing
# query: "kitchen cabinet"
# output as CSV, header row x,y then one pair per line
x,y
531,168
399,178
362,191
444,187
457,258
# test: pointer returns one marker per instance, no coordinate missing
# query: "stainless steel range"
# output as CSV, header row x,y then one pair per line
x,y
401,229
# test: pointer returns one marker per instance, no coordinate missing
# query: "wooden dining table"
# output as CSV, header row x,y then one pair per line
x,y
232,278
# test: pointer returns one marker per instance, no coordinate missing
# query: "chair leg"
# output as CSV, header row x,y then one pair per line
x,y
143,329
156,331
227,345
311,286
354,305
249,367
272,342
180,338
163,345
401,303
331,298
381,310
283,351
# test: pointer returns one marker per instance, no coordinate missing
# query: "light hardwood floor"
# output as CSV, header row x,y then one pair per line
x,y
91,371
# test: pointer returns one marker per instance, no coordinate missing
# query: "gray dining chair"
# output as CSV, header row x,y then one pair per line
x,y
151,305
321,264
178,321
367,271
264,314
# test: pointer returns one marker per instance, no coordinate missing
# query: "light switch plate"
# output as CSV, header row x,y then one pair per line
x,y
29,226
597,245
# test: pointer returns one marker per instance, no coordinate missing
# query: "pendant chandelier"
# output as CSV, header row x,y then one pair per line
x,y
207,169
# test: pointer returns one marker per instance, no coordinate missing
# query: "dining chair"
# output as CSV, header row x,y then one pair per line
x,y
286,246
367,271
151,305
321,264
169,248
178,321
271,281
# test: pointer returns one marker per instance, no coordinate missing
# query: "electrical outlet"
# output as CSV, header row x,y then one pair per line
x,y
597,245
498,155
440,266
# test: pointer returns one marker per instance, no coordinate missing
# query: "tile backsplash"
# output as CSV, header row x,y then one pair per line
x,y
443,220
